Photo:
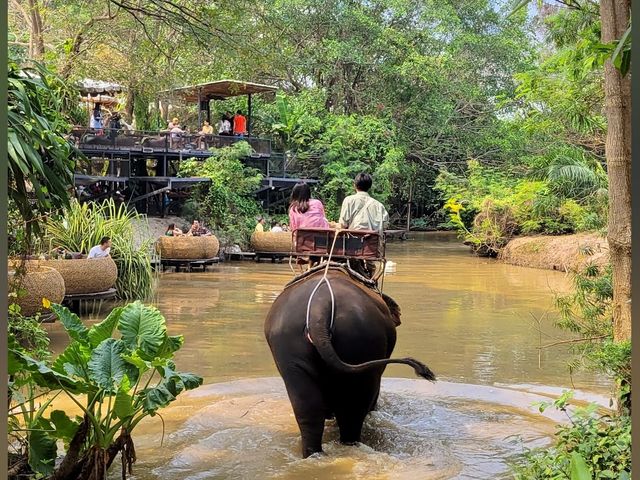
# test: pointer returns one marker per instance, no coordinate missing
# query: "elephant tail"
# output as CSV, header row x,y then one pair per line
x,y
319,335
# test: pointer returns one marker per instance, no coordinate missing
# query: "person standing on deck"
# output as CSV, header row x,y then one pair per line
x,y
224,125
239,124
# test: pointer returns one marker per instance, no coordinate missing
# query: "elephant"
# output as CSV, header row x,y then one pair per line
x,y
332,367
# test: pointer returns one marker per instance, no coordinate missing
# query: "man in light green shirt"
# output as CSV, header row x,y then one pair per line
x,y
362,212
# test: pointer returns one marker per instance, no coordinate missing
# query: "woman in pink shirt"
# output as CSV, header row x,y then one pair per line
x,y
304,211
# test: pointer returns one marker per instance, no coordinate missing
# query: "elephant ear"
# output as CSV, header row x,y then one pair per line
x,y
394,308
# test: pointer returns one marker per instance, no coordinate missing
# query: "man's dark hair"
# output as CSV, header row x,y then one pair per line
x,y
363,182
239,112
104,240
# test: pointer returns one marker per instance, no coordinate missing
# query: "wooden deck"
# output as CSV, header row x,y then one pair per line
x,y
188,264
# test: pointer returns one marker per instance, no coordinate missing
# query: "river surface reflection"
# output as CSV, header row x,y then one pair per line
x,y
476,322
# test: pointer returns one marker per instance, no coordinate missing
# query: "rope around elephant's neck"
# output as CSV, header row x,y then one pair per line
x,y
325,280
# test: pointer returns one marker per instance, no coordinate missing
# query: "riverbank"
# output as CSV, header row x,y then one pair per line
x,y
561,252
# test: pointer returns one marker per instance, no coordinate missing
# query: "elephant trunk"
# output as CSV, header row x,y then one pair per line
x,y
319,333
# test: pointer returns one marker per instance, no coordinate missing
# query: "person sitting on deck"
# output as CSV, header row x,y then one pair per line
x,y
362,212
207,129
102,250
285,227
198,230
304,211
173,231
260,225
276,228
239,124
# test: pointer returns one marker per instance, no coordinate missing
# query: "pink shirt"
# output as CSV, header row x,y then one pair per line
x,y
312,218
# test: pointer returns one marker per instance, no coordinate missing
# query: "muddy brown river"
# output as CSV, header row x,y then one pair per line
x,y
476,322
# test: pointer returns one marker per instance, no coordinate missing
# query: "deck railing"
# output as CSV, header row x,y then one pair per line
x,y
88,139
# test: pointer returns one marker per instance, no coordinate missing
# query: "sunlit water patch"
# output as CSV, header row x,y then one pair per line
x,y
246,430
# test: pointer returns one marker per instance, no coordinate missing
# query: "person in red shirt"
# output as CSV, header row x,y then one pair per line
x,y
239,124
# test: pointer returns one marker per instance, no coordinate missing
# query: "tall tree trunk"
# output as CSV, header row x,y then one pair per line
x,y
615,20
36,40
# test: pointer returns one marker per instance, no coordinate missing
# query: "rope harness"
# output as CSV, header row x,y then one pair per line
x,y
324,279
326,265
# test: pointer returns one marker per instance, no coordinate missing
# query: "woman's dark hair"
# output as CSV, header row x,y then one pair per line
x,y
172,226
300,196
363,182
104,240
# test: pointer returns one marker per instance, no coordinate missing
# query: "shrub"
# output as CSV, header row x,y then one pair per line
x,y
592,446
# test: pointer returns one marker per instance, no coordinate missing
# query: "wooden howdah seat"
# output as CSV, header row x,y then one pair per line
x,y
358,244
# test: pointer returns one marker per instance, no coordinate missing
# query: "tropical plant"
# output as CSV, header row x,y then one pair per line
x,y
40,158
115,383
83,225
592,446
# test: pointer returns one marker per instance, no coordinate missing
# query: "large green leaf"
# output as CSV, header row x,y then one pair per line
x,y
160,396
44,376
71,322
73,361
170,345
107,368
183,381
42,451
123,406
142,327
65,428
579,469
103,330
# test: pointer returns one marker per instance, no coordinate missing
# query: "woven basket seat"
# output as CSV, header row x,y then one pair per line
x,y
188,248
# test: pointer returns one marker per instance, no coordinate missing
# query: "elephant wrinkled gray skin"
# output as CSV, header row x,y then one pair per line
x,y
339,373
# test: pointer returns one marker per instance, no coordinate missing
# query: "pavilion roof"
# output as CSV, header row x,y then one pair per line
x,y
218,90
88,86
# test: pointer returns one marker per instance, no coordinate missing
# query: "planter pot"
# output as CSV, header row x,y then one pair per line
x,y
271,242
37,283
85,275
188,248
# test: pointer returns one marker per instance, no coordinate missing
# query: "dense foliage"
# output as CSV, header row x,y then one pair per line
x,y
40,160
115,381
226,204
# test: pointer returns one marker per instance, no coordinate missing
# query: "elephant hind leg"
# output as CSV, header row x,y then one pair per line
x,y
350,424
309,409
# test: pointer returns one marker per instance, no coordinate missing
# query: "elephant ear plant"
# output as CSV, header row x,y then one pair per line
x,y
117,372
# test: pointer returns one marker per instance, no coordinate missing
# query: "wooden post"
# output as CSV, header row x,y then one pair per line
x,y
249,115
409,207
199,108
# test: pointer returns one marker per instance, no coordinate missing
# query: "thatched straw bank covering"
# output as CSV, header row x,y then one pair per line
x,y
562,252
188,248
271,242
38,282
85,275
